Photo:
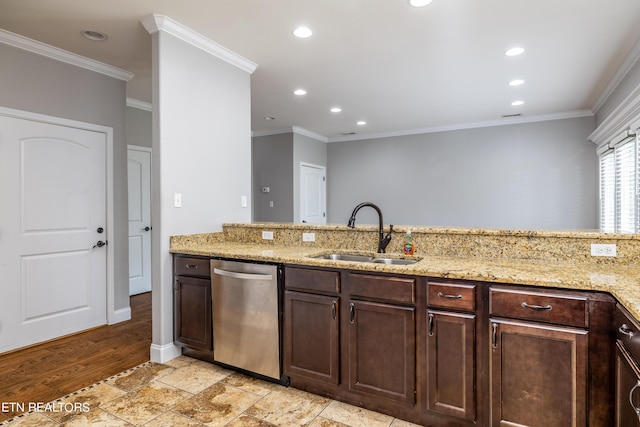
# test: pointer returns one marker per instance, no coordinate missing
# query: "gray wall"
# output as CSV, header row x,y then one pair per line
x,y
305,150
32,82
138,128
272,159
526,176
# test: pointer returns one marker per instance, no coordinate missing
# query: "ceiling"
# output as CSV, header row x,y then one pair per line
x,y
400,69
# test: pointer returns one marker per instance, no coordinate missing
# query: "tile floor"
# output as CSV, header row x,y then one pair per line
x,y
186,392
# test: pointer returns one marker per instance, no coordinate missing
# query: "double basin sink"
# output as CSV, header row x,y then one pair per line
x,y
366,258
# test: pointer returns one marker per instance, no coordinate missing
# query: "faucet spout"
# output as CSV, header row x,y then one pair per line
x,y
383,240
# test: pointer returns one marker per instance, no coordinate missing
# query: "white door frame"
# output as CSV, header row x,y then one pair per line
x,y
112,316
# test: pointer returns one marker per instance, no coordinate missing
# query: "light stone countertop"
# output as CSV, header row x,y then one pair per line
x,y
622,282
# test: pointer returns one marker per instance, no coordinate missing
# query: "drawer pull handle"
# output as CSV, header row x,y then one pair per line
x,y
494,340
430,324
352,313
635,408
625,330
537,307
191,266
333,309
441,295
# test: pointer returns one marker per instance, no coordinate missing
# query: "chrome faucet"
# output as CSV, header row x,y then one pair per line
x,y
383,240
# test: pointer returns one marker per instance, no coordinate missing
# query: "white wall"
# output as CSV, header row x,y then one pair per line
x,y
525,176
201,149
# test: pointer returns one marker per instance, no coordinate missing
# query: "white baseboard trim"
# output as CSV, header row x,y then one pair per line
x,y
120,315
164,353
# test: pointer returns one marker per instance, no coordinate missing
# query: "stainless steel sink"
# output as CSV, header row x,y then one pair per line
x,y
345,257
366,258
396,261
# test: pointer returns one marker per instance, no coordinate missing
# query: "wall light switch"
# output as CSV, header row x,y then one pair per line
x,y
177,200
270,203
243,201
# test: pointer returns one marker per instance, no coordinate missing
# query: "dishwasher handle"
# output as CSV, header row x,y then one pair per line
x,y
244,276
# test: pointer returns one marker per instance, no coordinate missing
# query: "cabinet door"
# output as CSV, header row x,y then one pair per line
x,y
311,337
192,310
381,346
451,363
627,389
538,375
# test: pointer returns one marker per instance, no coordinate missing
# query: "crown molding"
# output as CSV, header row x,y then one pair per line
x,y
58,54
625,116
617,78
154,23
140,105
310,134
259,133
472,125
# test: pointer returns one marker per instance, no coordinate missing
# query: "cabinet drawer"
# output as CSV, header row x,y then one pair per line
x,y
456,296
628,331
312,280
396,289
537,306
191,266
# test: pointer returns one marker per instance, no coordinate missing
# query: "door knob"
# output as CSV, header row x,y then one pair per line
x,y
99,244
147,228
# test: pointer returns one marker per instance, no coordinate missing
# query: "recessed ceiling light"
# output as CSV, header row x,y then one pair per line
x,y
361,123
299,92
516,82
336,109
302,32
517,103
96,36
514,51
269,118
420,3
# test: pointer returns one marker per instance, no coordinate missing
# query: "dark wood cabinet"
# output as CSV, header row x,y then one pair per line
x,y
538,369
451,364
627,389
311,336
381,348
450,335
627,370
192,303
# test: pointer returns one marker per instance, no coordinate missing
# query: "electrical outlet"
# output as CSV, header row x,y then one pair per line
x,y
308,237
267,235
601,249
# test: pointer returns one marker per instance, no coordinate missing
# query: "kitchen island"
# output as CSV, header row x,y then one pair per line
x,y
466,375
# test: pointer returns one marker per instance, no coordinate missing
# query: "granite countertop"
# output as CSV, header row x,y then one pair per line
x,y
622,282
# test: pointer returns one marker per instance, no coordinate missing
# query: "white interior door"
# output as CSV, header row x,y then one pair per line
x,y
139,176
53,187
312,194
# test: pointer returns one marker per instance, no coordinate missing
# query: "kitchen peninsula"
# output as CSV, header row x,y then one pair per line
x,y
478,312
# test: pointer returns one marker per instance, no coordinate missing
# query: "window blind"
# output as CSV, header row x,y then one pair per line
x,y
619,176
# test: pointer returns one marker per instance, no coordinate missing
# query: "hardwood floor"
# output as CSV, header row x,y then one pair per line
x,y
45,372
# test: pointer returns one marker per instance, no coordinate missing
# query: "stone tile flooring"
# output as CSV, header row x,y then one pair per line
x,y
186,392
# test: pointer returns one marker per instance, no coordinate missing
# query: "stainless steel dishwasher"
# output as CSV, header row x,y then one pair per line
x,y
246,327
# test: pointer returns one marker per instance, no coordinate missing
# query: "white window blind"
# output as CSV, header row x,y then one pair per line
x,y
619,175
607,192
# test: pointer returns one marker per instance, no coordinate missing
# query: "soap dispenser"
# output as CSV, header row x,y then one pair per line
x,y
408,243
